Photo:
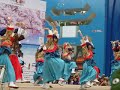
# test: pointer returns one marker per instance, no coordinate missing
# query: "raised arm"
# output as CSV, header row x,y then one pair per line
x,y
54,28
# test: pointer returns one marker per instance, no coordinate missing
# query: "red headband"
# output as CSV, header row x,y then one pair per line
x,y
83,45
10,28
49,36
65,46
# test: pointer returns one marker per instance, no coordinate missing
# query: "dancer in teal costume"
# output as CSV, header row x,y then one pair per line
x,y
88,73
38,75
70,65
5,51
53,65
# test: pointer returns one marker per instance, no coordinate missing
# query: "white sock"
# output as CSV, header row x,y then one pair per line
x,y
45,86
88,83
12,84
96,80
73,70
61,79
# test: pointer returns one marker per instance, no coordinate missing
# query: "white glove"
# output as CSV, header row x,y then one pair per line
x,y
91,44
86,39
44,47
57,35
25,34
40,47
20,31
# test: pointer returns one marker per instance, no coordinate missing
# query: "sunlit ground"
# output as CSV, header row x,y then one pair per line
x,y
30,86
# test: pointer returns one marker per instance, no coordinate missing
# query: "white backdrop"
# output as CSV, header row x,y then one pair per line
x,y
69,31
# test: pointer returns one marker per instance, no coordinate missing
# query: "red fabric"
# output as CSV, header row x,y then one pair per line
x,y
89,56
6,43
52,50
65,46
97,70
16,66
49,36
40,60
118,59
113,48
12,39
9,28
83,45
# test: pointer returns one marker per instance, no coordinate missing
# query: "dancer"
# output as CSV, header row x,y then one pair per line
x,y
88,72
13,55
116,52
53,64
38,75
70,65
12,36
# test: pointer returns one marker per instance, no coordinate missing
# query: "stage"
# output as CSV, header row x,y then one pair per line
x,y
30,86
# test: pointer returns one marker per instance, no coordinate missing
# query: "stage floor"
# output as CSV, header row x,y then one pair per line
x,y
30,86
